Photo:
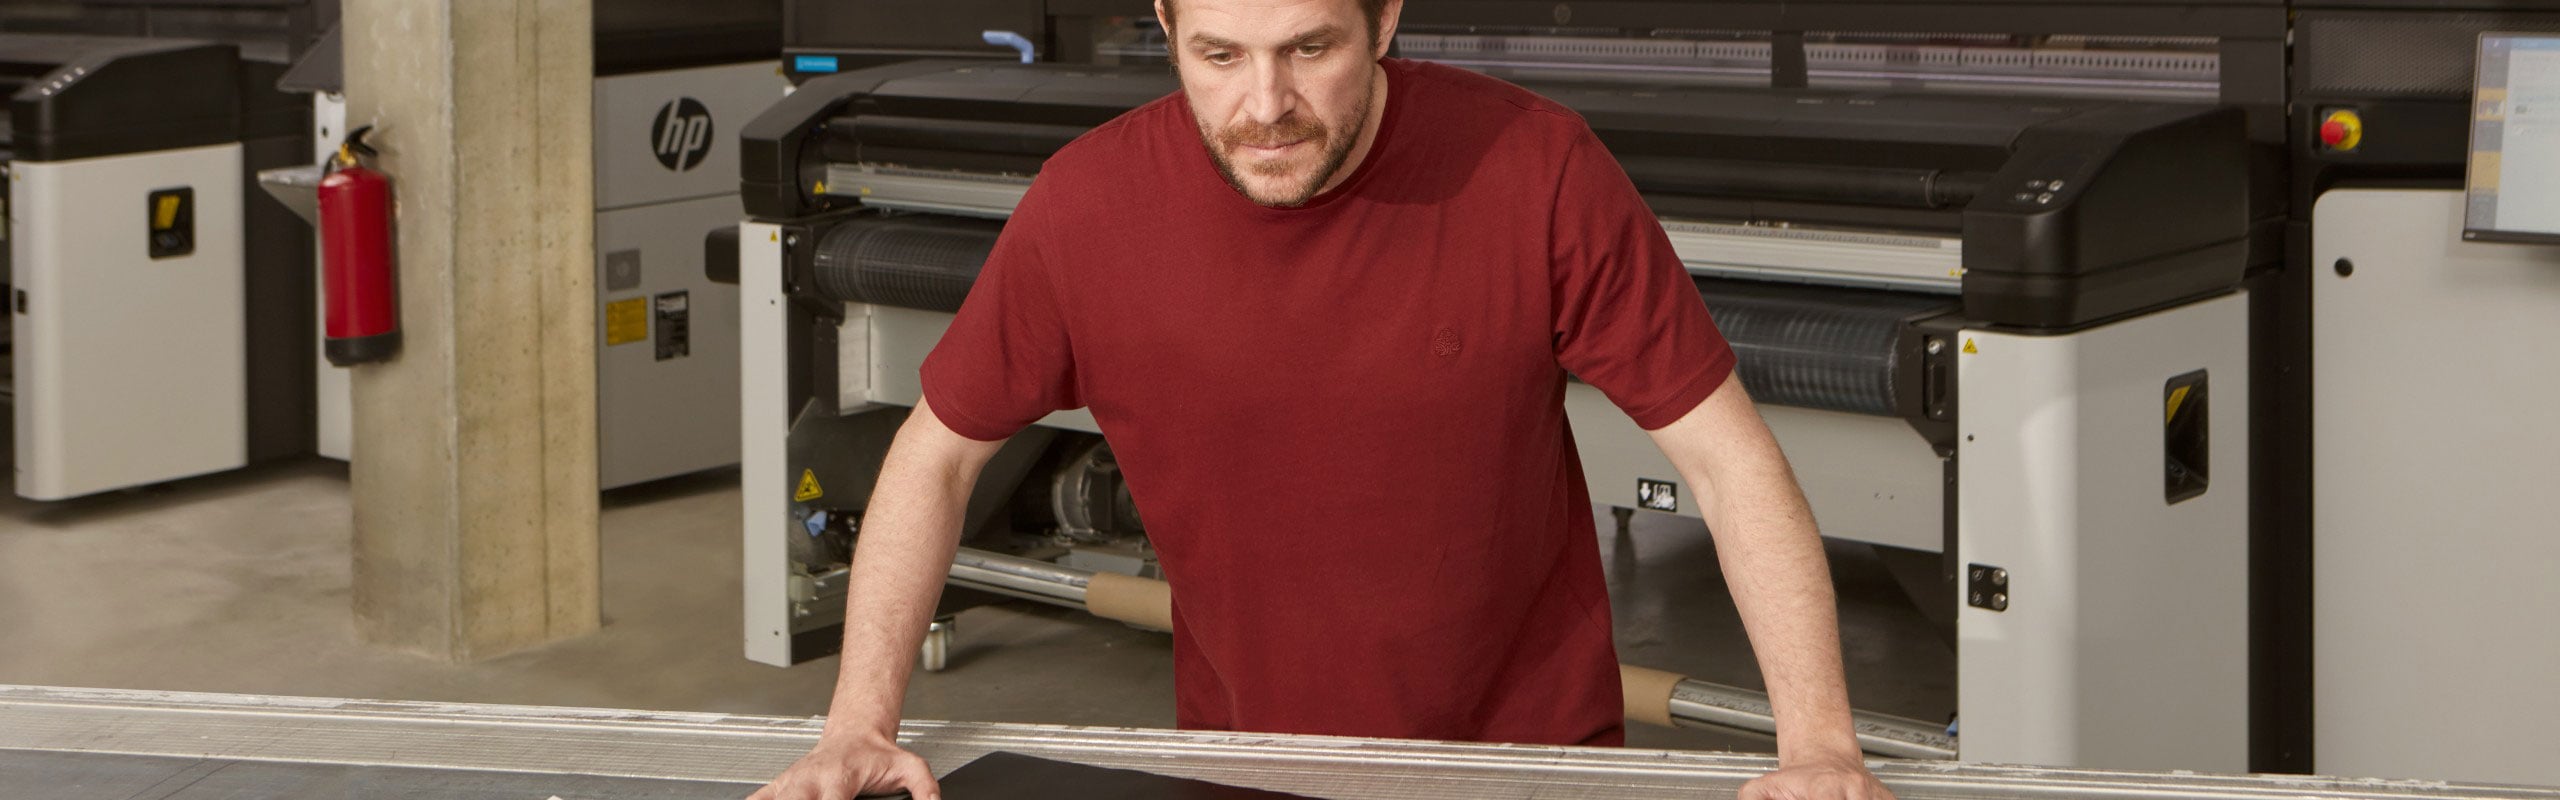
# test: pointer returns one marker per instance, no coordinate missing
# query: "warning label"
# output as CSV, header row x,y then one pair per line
x,y
626,321
1657,495
808,487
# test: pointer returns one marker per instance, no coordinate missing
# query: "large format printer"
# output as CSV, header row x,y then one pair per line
x,y
2003,332
158,309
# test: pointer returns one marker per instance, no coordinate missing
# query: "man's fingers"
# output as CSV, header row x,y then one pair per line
x,y
917,778
1755,789
764,793
1875,790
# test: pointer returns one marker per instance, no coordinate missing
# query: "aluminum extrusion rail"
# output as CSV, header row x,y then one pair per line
x,y
49,735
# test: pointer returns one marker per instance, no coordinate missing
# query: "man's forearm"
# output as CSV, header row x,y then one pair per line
x,y
1773,563
904,554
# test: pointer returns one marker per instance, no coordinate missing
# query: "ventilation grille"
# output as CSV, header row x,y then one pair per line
x,y
2365,54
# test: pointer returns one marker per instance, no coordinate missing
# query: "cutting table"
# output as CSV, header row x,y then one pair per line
x,y
126,745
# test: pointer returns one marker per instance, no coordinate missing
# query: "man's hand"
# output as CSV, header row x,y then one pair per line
x,y
843,767
907,542
1824,779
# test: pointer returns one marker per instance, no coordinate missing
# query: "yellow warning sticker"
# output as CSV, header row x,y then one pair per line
x,y
164,215
1968,348
2177,397
808,487
626,321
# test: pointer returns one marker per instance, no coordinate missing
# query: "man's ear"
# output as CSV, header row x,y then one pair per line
x,y
1386,26
1165,21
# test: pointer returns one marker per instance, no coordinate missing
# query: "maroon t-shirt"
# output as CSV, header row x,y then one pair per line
x,y
1343,422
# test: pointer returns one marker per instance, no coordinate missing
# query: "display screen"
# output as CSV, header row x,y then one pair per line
x,y
2514,177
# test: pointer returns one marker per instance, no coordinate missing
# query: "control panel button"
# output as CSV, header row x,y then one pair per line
x,y
2341,130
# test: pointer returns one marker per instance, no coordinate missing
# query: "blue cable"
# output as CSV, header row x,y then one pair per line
x,y
1012,40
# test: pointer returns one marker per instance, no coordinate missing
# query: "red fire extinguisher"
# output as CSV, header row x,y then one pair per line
x,y
355,240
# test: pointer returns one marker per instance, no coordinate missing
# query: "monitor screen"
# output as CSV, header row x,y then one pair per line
x,y
2513,182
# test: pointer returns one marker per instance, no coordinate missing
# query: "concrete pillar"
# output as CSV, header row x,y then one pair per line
x,y
474,453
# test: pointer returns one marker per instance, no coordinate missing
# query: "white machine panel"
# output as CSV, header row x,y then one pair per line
x,y
673,134
666,361
1811,255
900,338
764,438
336,417
129,370
2124,643
2436,495
666,149
1869,479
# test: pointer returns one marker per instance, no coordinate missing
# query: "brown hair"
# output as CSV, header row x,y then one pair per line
x,y
1374,10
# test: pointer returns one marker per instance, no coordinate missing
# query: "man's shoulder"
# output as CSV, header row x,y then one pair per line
x,y
1463,112
1120,149
1447,91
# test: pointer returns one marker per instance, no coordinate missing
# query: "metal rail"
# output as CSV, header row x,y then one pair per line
x,y
54,742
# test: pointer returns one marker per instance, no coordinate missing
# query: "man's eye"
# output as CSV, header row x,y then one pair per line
x,y
1310,50
1219,58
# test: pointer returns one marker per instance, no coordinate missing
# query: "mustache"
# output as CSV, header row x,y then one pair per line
x,y
1290,129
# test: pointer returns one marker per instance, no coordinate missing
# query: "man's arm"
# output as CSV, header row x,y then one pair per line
x,y
909,534
1773,563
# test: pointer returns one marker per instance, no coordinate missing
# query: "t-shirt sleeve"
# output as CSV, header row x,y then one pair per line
x,y
1006,361
1628,319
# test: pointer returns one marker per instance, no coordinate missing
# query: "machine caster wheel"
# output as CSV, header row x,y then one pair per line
x,y
936,653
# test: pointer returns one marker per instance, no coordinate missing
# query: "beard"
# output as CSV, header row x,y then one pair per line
x,y
1332,143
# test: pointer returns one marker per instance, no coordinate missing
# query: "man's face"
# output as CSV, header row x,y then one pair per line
x,y
1282,90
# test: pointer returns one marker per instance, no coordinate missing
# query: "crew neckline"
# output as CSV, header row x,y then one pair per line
x,y
1205,166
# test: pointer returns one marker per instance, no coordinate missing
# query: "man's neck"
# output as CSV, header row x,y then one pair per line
x,y
1369,126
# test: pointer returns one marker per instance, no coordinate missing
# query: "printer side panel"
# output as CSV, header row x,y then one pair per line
x,y
130,361
2111,628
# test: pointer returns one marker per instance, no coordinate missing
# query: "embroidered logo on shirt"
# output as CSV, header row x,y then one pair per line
x,y
1444,343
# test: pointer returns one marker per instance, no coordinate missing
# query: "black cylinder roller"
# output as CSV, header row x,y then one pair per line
x,y
912,262
1811,347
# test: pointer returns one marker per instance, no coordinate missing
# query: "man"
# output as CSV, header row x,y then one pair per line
x,y
1323,303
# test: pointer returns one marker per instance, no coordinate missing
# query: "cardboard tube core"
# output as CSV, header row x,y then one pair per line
x,y
1648,693
1138,601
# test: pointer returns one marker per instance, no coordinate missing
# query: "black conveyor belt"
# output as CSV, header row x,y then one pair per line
x,y
1817,347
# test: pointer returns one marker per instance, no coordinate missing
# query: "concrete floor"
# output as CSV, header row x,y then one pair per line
x,y
239,583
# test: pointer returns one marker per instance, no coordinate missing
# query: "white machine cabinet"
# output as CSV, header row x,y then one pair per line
x,y
129,365
2436,494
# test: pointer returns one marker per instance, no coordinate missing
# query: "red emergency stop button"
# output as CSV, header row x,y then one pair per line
x,y
2341,130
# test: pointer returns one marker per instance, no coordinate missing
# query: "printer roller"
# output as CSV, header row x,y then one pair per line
x,y
1821,348
925,261
1803,346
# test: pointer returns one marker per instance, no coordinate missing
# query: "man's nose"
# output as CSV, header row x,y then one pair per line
x,y
1274,93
